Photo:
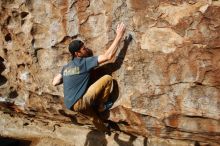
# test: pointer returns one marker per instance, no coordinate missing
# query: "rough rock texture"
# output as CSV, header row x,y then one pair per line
x,y
167,78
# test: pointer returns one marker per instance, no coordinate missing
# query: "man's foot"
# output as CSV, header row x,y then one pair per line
x,y
108,105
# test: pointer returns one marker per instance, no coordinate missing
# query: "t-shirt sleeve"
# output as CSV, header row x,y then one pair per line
x,y
91,62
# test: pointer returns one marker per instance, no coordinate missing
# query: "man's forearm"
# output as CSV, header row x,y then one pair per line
x,y
113,48
109,54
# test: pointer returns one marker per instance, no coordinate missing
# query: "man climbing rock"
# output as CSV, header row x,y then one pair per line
x,y
78,95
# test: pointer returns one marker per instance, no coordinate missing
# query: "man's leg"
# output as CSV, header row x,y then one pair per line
x,y
98,92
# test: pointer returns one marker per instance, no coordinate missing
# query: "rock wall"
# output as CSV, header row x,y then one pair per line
x,y
167,78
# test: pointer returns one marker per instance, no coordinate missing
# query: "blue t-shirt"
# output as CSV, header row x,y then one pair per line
x,y
76,76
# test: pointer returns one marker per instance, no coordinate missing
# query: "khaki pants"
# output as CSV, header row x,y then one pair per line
x,y
98,92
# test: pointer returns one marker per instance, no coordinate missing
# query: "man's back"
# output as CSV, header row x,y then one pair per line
x,y
76,76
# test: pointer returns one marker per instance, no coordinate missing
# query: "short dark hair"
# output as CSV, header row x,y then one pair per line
x,y
75,46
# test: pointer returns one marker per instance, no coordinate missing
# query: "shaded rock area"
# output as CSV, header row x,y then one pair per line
x,y
167,79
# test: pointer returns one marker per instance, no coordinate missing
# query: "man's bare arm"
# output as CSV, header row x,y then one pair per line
x,y
58,79
109,54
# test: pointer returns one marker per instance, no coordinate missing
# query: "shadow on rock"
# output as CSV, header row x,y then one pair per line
x,y
109,68
112,67
14,142
95,138
124,143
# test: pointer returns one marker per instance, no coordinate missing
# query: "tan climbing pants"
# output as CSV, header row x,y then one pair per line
x,y
98,92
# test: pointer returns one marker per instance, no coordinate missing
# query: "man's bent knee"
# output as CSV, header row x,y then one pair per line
x,y
107,77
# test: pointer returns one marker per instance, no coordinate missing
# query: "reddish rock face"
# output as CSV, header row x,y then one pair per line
x,y
167,78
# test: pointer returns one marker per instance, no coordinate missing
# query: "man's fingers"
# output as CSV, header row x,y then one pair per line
x,y
121,26
120,29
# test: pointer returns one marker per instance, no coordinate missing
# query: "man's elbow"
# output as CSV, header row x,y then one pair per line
x,y
109,57
104,58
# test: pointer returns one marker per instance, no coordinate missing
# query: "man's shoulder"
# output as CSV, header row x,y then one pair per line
x,y
92,58
67,64
83,60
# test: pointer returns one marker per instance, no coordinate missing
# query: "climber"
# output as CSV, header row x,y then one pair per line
x,y
75,76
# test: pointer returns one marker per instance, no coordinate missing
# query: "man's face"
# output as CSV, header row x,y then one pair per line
x,y
83,52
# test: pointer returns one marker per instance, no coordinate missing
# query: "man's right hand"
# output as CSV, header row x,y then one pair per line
x,y
120,30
